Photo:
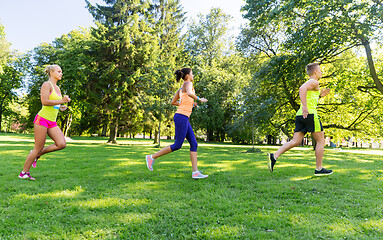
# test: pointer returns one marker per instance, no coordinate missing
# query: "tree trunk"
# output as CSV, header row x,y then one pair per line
x,y
159,131
9,125
1,109
113,132
104,129
1,117
68,124
209,135
252,132
371,65
155,137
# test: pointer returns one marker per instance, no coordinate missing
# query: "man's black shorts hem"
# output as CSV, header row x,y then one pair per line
x,y
309,124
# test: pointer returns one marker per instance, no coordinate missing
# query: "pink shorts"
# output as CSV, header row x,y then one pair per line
x,y
43,122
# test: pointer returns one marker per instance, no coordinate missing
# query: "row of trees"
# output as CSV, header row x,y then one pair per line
x,y
120,73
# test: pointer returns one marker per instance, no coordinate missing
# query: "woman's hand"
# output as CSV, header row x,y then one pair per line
x,y
66,99
203,99
63,108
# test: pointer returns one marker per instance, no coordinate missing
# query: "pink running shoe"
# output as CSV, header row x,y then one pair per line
x,y
35,161
26,175
149,162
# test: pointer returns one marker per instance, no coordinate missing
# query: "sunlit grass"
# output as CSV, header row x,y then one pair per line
x,y
94,190
56,194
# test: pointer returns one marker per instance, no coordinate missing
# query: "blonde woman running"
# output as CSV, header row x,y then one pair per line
x,y
45,120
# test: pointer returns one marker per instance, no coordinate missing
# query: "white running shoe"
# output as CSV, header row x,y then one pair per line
x,y
198,175
149,162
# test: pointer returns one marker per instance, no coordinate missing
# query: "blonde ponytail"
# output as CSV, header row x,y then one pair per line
x,y
50,68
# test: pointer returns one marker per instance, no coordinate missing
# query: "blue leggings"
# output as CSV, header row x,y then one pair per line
x,y
183,130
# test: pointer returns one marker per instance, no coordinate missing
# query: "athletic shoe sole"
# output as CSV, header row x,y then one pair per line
x,y
322,174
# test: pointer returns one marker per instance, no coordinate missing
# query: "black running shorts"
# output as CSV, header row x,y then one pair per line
x,y
309,124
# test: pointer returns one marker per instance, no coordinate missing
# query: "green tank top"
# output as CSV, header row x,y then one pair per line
x,y
50,112
312,102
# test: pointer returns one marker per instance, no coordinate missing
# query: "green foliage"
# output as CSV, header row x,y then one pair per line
x,y
157,85
15,116
4,49
270,100
218,72
285,36
205,39
122,48
11,80
320,30
360,109
220,84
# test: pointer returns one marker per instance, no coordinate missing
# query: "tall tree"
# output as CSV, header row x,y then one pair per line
x,y
167,17
123,47
215,66
206,39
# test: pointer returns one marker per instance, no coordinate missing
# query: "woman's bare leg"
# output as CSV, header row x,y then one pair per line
x,y
162,152
193,159
58,137
40,137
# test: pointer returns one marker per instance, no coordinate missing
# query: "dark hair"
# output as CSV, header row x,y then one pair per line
x,y
311,67
182,73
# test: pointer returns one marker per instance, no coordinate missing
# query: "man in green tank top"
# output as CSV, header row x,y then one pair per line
x,y
307,120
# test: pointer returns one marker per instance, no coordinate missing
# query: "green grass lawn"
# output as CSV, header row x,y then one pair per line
x,y
92,190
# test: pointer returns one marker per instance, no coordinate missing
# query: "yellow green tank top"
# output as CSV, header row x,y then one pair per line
x,y
312,102
50,112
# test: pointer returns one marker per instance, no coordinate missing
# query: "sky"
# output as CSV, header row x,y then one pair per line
x,y
28,23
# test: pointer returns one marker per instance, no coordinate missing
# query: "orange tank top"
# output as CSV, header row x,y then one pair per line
x,y
186,104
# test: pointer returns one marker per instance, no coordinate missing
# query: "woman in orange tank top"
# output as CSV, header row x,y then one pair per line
x,y
184,98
